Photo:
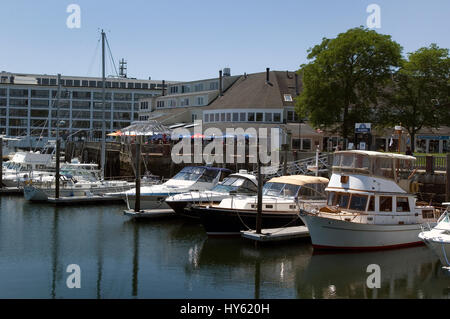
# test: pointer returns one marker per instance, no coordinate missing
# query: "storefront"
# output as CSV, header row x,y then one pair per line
x,y
433,144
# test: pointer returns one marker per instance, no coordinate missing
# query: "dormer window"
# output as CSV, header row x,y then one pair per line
x,y
288,98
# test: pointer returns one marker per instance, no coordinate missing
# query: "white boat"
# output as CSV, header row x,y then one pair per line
x,y
25,166
282,198
237,183
77,179
190,178
370,204
438,238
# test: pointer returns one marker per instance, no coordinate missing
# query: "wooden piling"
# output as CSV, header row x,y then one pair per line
x,y
137,203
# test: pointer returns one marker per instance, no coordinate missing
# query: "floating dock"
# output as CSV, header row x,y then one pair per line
x,y
150,213
11,190
83,200
277,234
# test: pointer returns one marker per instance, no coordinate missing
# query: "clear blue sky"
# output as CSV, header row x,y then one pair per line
x,y
188,40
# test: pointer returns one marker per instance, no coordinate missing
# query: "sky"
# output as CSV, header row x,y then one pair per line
x,y
182,40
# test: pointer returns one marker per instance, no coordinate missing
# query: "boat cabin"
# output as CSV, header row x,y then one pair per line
x,y
238,184
296,186
202,174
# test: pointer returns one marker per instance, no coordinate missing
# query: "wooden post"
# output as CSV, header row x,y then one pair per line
x,y
137,202
259,203
57,176
429,164
447,187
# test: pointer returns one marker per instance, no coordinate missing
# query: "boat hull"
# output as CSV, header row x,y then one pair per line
x,y
333,234
147,202
230,222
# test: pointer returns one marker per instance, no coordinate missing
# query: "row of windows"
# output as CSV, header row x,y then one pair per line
x,y
301,144
187,88
99,84
199,100
359,202
243,117
22,94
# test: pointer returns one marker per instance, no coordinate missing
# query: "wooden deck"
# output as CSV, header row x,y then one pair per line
x,y
277,234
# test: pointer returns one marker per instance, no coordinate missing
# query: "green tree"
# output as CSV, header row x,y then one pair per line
x,y
418,96
344,78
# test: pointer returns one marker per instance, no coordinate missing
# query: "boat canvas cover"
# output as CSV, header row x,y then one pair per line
x,y
299,180
32,158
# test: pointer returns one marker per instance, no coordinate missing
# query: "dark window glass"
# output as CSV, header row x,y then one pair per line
x,y
385,204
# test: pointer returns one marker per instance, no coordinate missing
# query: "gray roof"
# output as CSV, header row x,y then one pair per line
x,y
252,91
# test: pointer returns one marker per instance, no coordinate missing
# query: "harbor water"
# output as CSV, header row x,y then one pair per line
x,y
123,258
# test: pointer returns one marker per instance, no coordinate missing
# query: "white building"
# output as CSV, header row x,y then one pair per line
x,y
28,104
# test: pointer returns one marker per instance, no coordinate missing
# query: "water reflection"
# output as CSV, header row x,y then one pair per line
x,y
405,273
122,258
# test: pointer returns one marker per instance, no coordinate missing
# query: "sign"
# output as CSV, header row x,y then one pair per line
x,y
362,146
362,127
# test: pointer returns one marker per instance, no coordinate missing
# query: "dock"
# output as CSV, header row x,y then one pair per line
x,y
277,234
83,200
11,190
150,213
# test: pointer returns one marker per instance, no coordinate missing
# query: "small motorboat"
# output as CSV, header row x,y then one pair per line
x,y
438,238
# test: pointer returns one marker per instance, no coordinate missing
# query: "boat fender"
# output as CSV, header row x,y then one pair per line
x,y
414,187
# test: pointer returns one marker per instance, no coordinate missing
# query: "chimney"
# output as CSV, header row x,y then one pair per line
x,y
296,84
163,87
267,75
220,83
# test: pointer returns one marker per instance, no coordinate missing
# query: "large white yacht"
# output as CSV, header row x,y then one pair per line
x,y
438,238
236,183
190,178
371,204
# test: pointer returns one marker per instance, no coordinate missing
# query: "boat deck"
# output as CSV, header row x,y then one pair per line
x,y
277,234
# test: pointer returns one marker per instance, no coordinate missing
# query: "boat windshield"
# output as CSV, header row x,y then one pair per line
x,y
196,173
280,189
239,184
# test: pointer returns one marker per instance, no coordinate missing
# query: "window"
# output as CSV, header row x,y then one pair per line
x,y
211,117
222,117
402,204
200,100
206,117
342,200
130,85
214,85
92,84
288,98
137,85
123,85
160,104
193,117
250,117
277,117
217,116
259,117
242,117
228,117
76,82
306,144
296,143
235,117
52,81
69,82
385,204
268,117
358,202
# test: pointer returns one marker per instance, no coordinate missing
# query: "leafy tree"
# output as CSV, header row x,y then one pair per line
x,y
344,78
419,94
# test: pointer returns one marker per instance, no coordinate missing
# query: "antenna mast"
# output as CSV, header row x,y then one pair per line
x,y
103,150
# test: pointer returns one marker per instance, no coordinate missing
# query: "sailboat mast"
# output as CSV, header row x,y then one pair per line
x,y
103,150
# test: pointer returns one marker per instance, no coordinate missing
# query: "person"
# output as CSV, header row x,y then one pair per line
x,y
408,151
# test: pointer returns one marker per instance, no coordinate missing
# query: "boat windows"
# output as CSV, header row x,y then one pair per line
x,y
342,200
402,204
383,167
189,174
208,176
371,207
358,202
331,197
385,204
356,163
279,189
312,191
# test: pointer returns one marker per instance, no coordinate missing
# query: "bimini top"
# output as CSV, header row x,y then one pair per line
x,y
299,180
379,154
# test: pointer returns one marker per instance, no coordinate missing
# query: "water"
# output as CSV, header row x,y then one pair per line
x,y
122,258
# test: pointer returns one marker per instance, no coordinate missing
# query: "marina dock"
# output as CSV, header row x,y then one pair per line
x,y
150,213
11,190
83,200
277,234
